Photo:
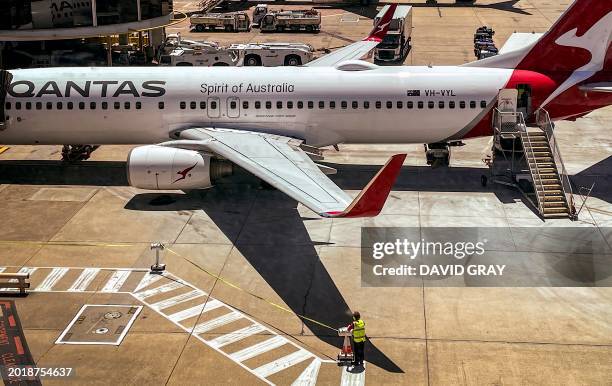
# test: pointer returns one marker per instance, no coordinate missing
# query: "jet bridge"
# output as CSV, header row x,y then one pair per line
x,y
527,157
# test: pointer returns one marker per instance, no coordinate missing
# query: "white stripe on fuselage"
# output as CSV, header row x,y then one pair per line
x,y
291,84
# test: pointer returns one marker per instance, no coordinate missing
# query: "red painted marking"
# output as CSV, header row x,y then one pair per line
x,y
382,27
183,173
372,198
11,320
18,345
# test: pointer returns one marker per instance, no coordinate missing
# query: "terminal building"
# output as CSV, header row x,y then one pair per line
x,y
38,33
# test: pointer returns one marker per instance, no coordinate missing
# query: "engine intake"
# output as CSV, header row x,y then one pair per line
x,y
166,168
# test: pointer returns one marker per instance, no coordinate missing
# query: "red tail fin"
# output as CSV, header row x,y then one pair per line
x,y
580,39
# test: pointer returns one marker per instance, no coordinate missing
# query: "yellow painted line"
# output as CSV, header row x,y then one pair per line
x,y
3,149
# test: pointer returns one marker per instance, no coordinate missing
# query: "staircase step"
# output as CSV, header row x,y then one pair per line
x,y
554,204
549,187
556,215
555,210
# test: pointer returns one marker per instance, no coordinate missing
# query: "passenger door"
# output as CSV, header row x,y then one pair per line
x,y
233,107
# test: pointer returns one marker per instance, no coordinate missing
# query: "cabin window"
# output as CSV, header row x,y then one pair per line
x,y
18,105
366,104
378,104
160,105
193,105
203,105
332,104
69,105
355,104
268,105
28,105
300,105
451,104
462,104
483,104
420,104
400,104
92,105
116,105
7,106
310,105
233,105
50,105
138,105
431,105
441,104
344,105
183,105
410,104
257,104
38,105
60,105
126,105
289,105
321,104
279,105
245,105
104,105
389,104
472,104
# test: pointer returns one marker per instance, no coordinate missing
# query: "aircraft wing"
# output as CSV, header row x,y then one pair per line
x,y
358,49
283,164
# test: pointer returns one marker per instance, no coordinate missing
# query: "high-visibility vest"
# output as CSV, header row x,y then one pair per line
x,y
359,331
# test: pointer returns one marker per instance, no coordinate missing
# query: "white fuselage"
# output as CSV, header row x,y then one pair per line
x,y
88,115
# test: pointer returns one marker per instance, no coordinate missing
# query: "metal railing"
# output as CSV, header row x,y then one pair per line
x,y
547,126
514,123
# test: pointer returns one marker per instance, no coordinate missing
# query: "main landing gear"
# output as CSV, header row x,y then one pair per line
x,y
74,153
438,154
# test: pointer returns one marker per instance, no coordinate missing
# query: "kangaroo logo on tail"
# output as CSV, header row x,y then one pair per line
x,y
597,41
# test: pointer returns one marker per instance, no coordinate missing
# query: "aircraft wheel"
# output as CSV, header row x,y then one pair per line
x,y
199,28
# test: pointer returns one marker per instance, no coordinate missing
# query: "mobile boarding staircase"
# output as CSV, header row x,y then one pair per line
x,y
528,158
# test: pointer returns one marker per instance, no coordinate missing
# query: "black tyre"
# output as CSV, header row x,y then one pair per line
x,y
293,60
483,180
220,64
252,60
184,64
309,28
200,28
229,28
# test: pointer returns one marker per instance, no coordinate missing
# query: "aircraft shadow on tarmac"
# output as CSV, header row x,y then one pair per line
x,y
272,235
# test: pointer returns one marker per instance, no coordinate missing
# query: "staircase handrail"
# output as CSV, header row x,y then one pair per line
x,y
547,126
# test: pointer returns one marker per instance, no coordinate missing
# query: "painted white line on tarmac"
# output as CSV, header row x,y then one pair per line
x,y
178,299
259,348
52,278
352,379
116,281
83,281
309,375
217,322
159,290
283,363
236,336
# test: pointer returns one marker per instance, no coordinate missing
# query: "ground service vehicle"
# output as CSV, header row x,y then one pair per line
x,y
230,22
274,54
396,44
295,20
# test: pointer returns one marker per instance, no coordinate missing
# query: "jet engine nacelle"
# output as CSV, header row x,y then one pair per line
x,y
165,168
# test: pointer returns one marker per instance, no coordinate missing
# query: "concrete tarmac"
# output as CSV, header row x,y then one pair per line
x,y
85,218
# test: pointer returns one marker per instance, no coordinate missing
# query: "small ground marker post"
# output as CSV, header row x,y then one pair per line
x,y
157,267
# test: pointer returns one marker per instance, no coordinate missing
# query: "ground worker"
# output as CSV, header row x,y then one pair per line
x,y
359,338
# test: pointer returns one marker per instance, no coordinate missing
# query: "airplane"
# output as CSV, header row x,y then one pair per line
x,y
195,123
